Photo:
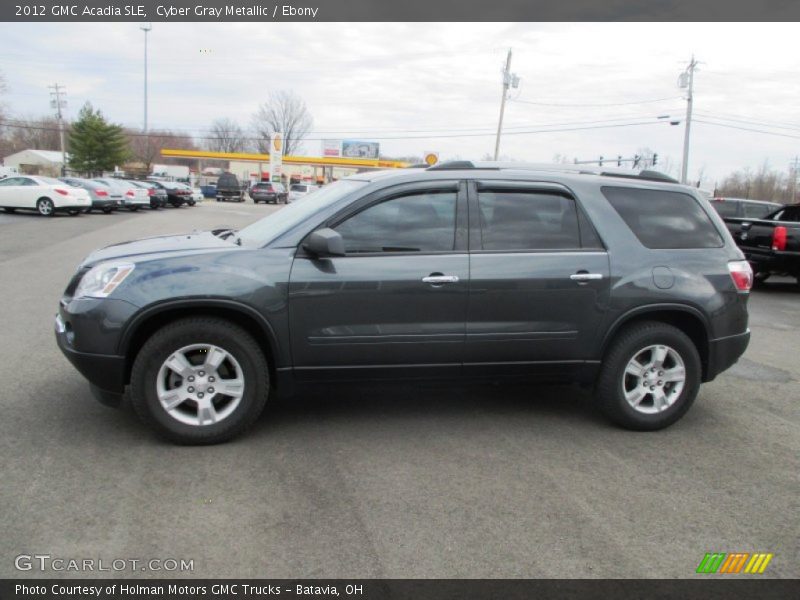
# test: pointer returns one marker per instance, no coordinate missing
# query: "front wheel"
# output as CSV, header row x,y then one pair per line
x,y
199,381
650,377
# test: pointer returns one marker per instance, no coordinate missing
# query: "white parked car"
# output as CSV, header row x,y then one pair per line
x,y
46,195
133,196
298,190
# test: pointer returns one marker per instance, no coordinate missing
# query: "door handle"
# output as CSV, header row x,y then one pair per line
x,y
440,279
581,277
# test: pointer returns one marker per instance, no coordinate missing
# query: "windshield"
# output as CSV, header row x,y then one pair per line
x,y
270,227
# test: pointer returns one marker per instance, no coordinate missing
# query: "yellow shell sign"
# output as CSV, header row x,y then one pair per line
x,y
431,158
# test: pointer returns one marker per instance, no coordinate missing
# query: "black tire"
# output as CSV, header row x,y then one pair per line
x,y
10,210
73,212
45,207
107,210
199,330
609,392
133,208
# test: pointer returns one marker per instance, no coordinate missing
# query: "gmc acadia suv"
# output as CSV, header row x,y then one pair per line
x,y
630,283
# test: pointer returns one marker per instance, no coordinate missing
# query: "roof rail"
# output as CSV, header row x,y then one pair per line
x,y
453,165
647,174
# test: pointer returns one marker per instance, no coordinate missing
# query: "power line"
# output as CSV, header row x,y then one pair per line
x,y
194,132
407,137
565,105
775,133
772,124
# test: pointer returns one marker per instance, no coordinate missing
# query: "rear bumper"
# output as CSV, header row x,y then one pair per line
x,y
97,203
104,372
724,352
773,261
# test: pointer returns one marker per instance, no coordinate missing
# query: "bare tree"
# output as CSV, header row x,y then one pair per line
x,y
146,149
764,184
284,112
31,133
226,136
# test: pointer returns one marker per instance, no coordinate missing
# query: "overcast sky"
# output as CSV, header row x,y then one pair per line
x,y
430,82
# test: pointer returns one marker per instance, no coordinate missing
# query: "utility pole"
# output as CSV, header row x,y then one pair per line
x,y
509,80
58,103
686,80
793,166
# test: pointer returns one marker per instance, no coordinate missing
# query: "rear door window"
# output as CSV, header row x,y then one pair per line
x,y
663,219
521,220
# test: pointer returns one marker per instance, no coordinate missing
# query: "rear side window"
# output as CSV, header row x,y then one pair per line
x,y
757,210
513,220
725,208
663,219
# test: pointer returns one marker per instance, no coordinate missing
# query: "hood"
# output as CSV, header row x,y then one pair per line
x,y
161,246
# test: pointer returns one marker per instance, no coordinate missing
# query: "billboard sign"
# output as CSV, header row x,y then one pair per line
x,y
360,149
332,148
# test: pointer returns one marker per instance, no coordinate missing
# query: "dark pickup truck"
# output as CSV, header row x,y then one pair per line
x,y
229,188
771,244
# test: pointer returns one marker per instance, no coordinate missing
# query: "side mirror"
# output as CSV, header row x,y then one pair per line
x,y
324,242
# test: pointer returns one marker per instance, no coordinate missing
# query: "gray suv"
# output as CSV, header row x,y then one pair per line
x,y
627,283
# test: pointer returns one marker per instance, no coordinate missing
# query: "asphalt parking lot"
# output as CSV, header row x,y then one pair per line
x,y
412,480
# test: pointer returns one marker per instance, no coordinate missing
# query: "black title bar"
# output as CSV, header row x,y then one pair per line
x,y
708,588
401,10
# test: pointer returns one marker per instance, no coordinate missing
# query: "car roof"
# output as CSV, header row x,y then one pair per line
x,y
556,173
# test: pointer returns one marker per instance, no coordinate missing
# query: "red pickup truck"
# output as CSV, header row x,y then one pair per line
x,y
772,243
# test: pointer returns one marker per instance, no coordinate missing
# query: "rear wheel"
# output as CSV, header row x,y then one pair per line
x,y
74,212
199,381
107,209
650,377
45,207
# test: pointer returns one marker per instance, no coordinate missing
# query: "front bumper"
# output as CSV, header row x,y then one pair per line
x,y
724,352
104,372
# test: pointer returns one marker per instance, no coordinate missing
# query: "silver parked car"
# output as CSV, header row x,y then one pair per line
x,y
103,198
133,197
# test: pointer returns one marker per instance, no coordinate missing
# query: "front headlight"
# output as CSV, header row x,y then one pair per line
x,y
103,279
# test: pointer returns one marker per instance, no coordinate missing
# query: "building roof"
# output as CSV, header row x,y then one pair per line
x,y
51,156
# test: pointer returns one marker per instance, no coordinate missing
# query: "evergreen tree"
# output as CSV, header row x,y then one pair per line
x,y
95,145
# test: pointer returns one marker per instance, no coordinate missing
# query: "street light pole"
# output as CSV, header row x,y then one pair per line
x,y
687,77
146,29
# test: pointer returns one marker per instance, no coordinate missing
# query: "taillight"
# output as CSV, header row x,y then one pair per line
x,y
742,275
62,192
130,193
100,193
779,238
151,192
